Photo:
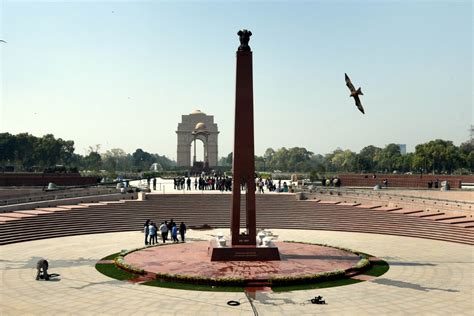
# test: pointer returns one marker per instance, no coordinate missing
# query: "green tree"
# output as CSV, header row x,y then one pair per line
x,y
24,149
116,159
142,160
466,155
7,147
388,157
344,160
280,159
437,156
366,159
93,161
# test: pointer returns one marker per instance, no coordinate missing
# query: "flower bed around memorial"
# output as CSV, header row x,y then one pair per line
x,y
119,269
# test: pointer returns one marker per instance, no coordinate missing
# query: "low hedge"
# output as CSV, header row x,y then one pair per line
x,y
361,265
119,261
305,279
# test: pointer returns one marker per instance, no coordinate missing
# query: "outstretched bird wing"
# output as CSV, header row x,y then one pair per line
x,y
358,104
2,41
349,83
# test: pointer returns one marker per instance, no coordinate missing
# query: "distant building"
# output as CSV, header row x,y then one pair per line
x,y
403,148
197,126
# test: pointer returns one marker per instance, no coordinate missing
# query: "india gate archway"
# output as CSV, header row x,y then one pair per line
x,y
193,127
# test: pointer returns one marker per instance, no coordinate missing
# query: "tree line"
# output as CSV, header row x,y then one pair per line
x,y
25,152
440,156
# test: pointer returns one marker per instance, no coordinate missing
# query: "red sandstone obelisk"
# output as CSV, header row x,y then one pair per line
x,y
243,166
243,245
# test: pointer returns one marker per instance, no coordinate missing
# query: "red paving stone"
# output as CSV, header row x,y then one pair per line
x,y
192,259
144,278
253,289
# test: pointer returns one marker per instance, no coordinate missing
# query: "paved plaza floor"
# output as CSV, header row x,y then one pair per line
x,y
426,277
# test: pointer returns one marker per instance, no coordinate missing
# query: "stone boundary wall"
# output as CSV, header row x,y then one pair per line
x,y
14,192
43,179
403,180
69,201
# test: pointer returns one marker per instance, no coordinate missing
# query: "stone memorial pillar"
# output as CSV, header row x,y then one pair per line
x,y
243,245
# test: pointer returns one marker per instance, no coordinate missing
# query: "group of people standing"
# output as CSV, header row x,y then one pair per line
x,y
167,230
203,183
261,184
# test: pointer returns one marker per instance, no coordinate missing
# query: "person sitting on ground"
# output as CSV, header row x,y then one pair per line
x,y
42,267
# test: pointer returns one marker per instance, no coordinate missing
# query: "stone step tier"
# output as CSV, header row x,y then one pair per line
x,y
213,210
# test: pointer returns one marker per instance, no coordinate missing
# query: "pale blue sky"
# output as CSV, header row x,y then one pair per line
x,y
121,74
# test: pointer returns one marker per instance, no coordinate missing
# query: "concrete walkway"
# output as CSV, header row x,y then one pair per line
x,y
426,277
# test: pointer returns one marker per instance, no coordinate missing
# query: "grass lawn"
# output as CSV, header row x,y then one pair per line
x,y
377,268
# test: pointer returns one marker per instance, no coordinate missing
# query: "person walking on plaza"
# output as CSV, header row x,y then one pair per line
x,y
146,230
174,233
164,231
182,230
188,182
154,184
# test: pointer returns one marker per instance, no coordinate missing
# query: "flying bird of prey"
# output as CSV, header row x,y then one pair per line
x,y
355,93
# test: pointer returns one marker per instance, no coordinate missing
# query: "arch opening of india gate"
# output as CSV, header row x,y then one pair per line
x,y
193,127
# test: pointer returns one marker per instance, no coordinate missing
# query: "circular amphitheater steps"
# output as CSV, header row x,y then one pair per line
x,y
273,211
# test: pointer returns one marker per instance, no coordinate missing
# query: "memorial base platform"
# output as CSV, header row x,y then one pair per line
x,y
243,253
